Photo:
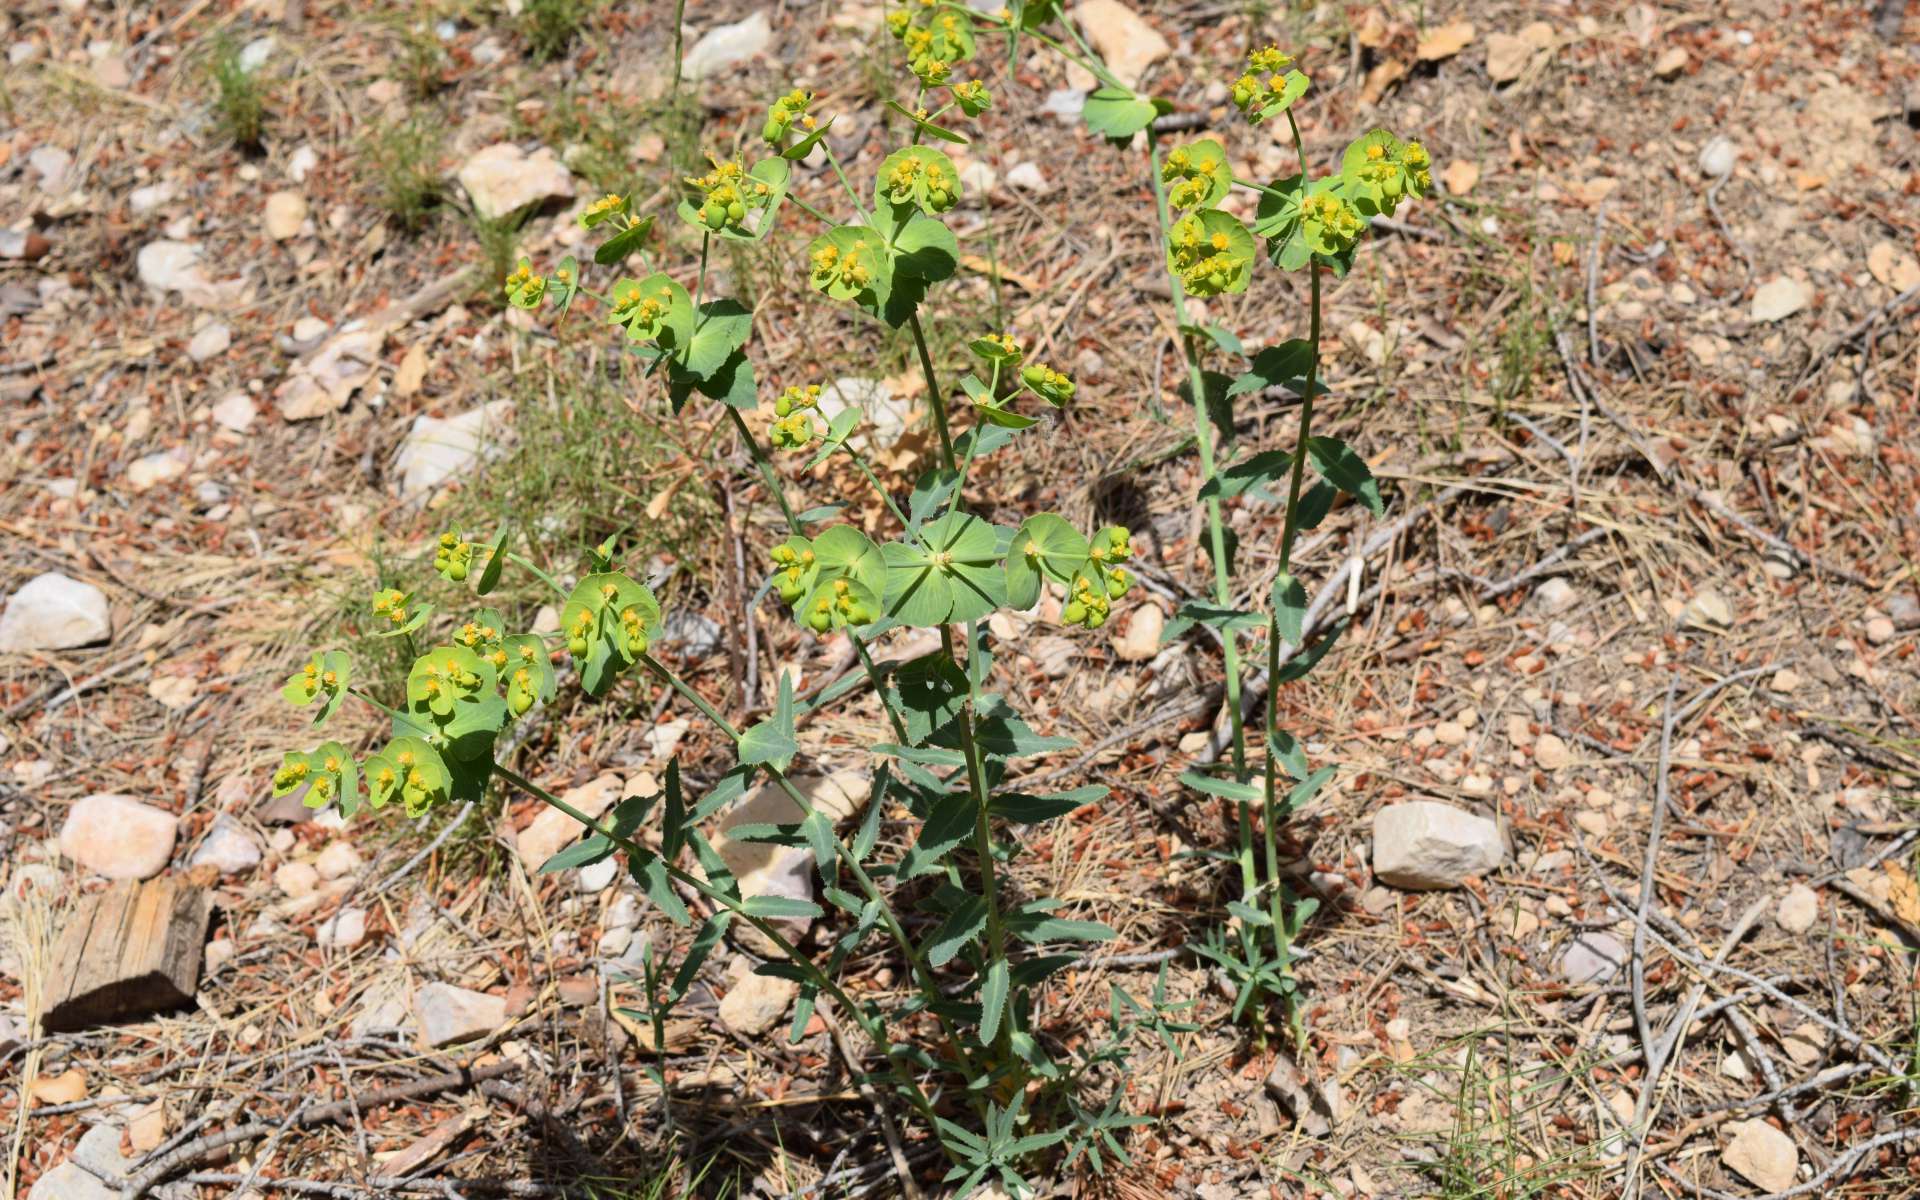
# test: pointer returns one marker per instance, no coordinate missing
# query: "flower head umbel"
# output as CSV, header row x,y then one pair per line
x,y
1267,88
1329,223
728,194
793,426
1055,387
793,563
605,208
998,348
327,772
324,678
786,112
972,96
452,557
1210,252
525,289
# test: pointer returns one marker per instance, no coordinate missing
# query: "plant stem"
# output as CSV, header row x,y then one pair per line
x,y
874,1030
935,400
834,161
860,461
982,833
766,468
922,972
1216,531
1271,816
545,578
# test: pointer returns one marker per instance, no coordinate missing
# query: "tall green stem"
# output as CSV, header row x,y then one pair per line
x,y
922,972
935,401
875,1030
1216,529
982,831
1290,528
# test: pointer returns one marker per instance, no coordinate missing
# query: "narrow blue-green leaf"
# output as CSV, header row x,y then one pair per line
x,y
993,1000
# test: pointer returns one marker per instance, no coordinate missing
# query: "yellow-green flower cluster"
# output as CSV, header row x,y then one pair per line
x,y
728,194
1190,180
1267,88
642,310
787,111
910,172
1204,260
523,287
391,604
840,601
1329,223
605,208
972,96
790,571
831,266
1055,387
453,558
793,427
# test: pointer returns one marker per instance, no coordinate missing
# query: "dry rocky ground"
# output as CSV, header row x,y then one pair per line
x,y
1626,711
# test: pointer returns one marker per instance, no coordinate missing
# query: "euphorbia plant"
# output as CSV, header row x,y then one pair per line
x,y
965,1049
1313,225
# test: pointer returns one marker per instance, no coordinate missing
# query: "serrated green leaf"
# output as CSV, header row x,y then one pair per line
x,y
1346,470
993,1000
1289,607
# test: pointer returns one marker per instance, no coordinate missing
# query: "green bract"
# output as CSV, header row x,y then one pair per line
x,y
652,309
952,574
410,769
1378,170
525,289
997,348
523,663
735,202
1044,547
1050,385
452,557
327,772
1264,91
850,263
324,678
919,176
972,96
1210,252
609,621
1197,175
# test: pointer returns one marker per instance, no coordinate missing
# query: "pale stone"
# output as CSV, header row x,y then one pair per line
x,y
1460,177
1717,158
1027,176
70,1181
446,1014
727,46
1445,41
235,412
163,466
438,451
553,831
1779,298
1785,680
344,930
1450,733
170,266
143,200
1893,266
597,877
211,341
762,869
1423,844
1594,956
119,837
147,1127
1671,62
502,179
1798,909
886,418
755,1004
53,165
1138,640
228,848
1550,752
1880,631
1125,42
1555,596
325,381
338,861
1708,611
283,215
54,612
297,879
1761,1155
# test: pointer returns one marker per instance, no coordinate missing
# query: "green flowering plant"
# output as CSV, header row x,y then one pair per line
x,y
1314,225
965,1048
